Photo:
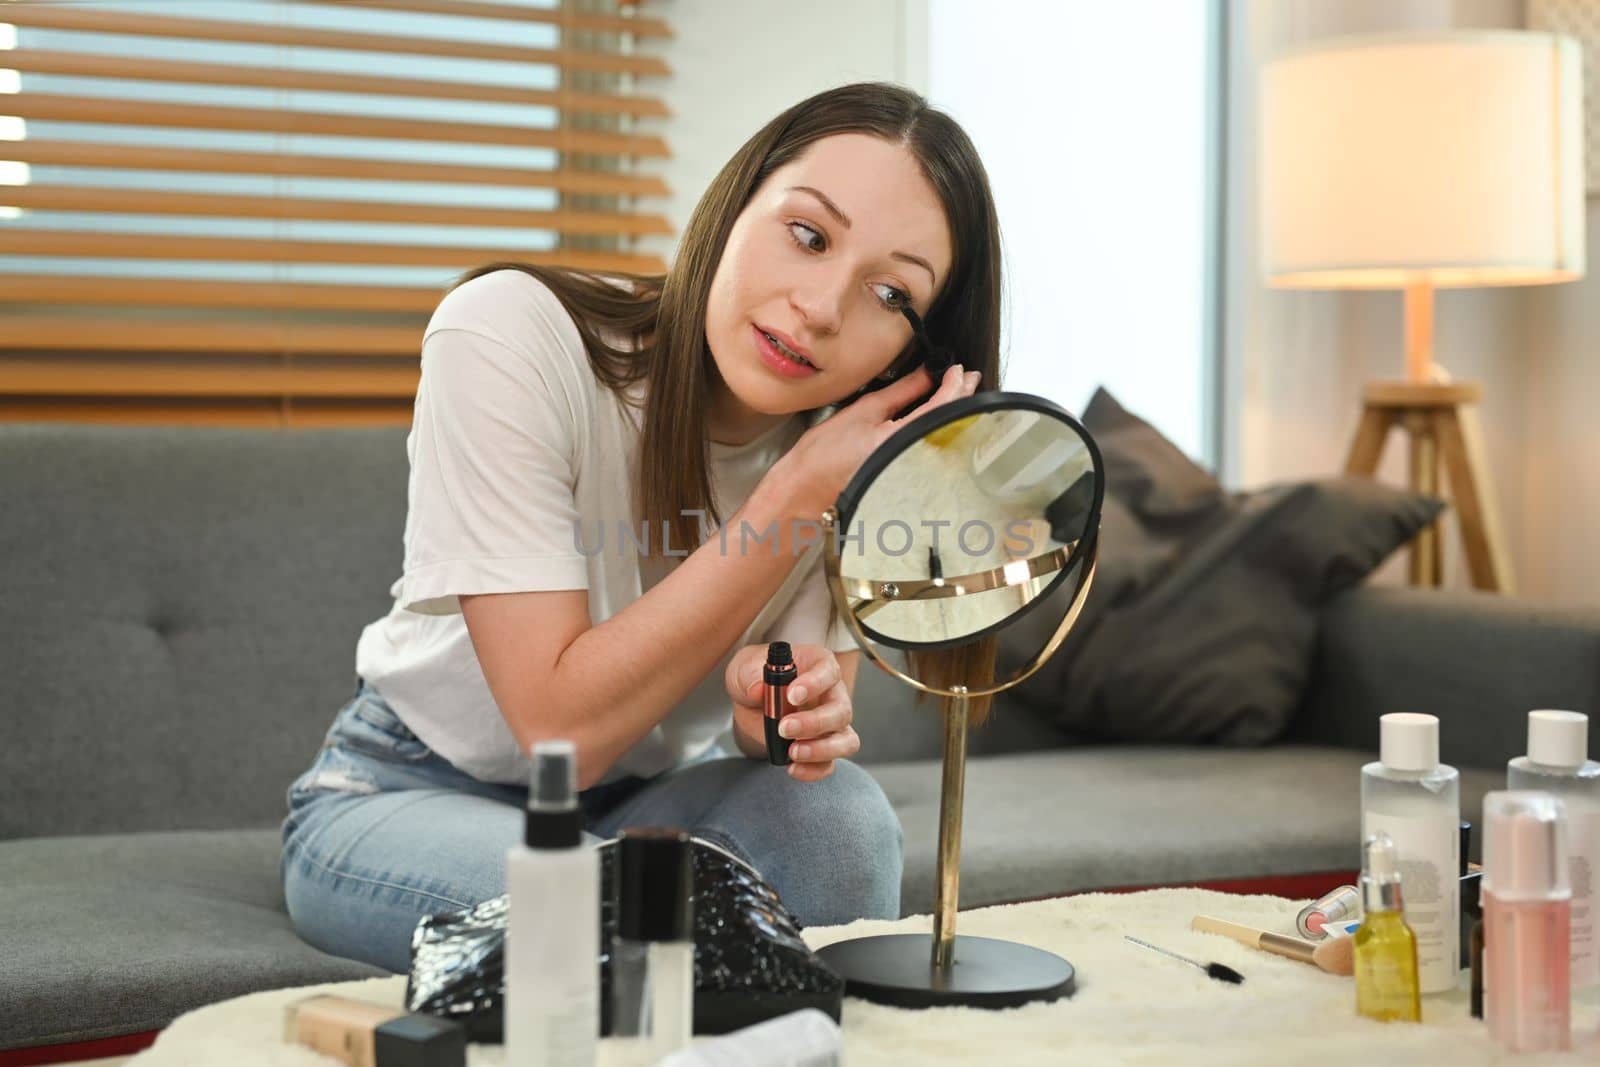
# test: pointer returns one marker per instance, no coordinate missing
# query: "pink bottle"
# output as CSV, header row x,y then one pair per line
x,y
1527,922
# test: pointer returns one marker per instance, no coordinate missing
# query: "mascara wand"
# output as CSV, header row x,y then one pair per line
x,y
936,359
1220,972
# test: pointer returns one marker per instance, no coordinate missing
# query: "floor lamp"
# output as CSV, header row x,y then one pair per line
x,y
1419,162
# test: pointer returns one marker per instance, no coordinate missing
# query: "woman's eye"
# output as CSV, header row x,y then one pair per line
x,y
890,297
806,237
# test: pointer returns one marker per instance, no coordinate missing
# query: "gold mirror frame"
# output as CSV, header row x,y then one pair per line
x,y
866,596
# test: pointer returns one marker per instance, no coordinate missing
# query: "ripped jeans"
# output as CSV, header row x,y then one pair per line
x,y
383,831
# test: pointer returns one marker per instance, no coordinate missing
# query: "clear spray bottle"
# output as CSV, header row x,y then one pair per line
x,y
552,1012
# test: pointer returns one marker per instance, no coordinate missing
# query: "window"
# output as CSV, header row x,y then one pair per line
x,y
1096,124
243,211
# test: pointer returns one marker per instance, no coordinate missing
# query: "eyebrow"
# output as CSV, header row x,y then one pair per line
x,y
844,220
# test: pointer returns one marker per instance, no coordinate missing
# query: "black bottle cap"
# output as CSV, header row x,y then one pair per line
x,y
552,829
655,885
554,818
420,1040
779,668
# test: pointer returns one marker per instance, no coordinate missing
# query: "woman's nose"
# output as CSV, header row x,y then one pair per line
x,y
820,302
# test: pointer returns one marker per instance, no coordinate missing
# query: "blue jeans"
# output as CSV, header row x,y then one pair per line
x,y
383,831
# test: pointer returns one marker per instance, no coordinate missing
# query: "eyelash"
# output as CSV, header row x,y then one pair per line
x,y
899,298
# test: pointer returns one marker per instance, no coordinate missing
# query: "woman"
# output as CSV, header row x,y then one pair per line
x,y
739,392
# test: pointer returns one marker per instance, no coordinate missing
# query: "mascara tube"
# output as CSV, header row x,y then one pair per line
x,y
778,672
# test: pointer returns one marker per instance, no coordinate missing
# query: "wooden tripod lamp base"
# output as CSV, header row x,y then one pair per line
x,y
1442,422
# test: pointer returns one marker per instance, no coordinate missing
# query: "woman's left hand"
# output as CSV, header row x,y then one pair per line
x,y
818,709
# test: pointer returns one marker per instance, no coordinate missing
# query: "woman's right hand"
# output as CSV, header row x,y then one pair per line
x,y
816,470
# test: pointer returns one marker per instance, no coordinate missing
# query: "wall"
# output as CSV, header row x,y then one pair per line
x,y
1295,361
775,54
1101,184
1560,490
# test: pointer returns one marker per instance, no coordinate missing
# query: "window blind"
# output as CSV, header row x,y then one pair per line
x,y
243,212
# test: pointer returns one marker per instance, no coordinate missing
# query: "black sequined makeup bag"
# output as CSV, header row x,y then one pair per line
x,y
750,963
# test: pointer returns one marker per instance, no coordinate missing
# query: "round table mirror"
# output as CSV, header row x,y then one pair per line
x,y
964,521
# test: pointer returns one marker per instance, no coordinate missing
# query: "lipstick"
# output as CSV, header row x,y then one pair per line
x,y
778,672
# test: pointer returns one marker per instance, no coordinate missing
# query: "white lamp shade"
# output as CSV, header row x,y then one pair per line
x,y
1448,159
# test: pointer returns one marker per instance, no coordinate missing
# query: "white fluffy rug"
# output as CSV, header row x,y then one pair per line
x,y
1133,1006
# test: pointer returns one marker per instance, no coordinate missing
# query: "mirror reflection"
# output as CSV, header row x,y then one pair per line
x,y
968,525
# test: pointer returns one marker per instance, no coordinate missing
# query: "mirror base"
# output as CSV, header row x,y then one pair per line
x,y
898,970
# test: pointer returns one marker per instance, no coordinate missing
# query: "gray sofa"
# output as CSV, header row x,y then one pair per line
x,y
178,614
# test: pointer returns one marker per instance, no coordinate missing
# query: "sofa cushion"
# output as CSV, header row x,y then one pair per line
x,y
1069,820
120,934
1479,661
181,613
1202,621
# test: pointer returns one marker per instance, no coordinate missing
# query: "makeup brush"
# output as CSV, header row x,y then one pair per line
x,y
1333,960
1218,971
1336,955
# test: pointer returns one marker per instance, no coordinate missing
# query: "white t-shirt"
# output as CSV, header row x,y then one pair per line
x,y
521,462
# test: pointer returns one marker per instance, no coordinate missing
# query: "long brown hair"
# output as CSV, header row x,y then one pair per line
x,y
662,319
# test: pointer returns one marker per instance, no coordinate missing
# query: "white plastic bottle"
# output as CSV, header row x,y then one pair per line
x,y
1558,762
552,1010
1416,800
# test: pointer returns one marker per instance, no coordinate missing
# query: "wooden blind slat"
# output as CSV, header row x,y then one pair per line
x,y
88,65
156,202
266,413
59,108
129,334
21,376
44,16
564,17
131,157
141,246
164,292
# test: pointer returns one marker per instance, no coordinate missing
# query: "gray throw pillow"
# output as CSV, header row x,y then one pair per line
x,y
1201,622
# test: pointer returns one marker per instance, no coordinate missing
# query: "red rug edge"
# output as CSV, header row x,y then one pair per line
x,y
1292,886
72,1052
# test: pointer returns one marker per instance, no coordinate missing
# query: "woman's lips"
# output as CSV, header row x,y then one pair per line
x,y
779,362
789,344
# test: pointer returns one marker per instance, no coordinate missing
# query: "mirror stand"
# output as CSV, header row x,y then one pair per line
x,y
951,798
923,971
